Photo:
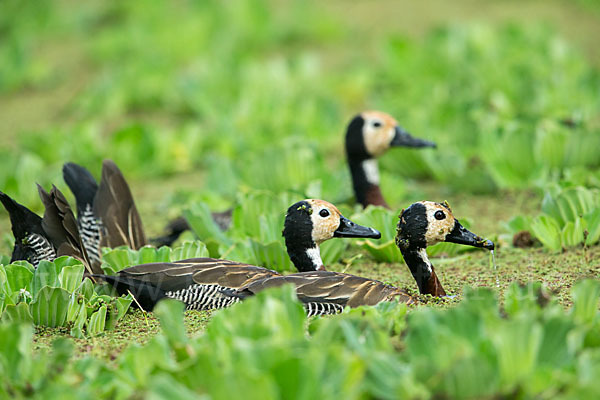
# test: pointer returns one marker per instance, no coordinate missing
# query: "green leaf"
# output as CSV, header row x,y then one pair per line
x,y
70,277
117,310
18,313
187,250
163,386
115,260
97,320
87,289
123,304
77,306
50,307
15,352
384,252
547,230
569,203
271,255
333,250
79,322
46,274
170,314
17,277
586,295
200,219
572,233
519,223
517,344
592,223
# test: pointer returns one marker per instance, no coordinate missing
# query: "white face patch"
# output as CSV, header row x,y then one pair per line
x,y
378,131
437,229
371,171
325,220
315,257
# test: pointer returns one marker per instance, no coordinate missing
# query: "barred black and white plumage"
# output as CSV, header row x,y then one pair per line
x,y
202,297
315,308
197,282
107,215
41,249
208,283
89,229
54,235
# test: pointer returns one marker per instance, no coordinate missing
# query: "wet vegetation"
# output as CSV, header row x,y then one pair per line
x,y
208,106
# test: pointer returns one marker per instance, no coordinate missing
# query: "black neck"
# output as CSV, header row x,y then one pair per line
x,y
423,272
419,268
361,185
301,259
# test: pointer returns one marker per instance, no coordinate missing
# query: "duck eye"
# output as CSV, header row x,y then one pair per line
x,y
376,124
324,213
439,215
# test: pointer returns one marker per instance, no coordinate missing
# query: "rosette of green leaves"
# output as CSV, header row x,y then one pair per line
x,y
56,295
114,260
478,349
570,217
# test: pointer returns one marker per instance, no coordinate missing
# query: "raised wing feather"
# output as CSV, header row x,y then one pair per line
x,y
60,227
115,207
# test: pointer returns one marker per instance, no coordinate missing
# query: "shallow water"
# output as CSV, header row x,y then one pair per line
x,y
493,261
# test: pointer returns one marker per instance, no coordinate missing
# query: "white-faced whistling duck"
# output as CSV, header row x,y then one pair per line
x,y
199,282
421,225
368,136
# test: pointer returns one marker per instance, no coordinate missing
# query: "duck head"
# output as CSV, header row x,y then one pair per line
x,y
308,223
424,224
369,135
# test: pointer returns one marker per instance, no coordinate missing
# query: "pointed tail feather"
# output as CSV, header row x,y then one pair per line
x,y
60,227
115,207
23,220
31,243
82,184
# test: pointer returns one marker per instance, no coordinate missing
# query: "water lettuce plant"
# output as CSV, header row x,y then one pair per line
x,y
55,294
531,346
530,115
570,216
255,236
114,260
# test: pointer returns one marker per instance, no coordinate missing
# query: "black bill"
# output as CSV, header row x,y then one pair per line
x,y
349,229
462,235
405,139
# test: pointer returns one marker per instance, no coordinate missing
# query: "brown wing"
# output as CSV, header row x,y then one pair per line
x,y
332,287
60,226
204,271
115,208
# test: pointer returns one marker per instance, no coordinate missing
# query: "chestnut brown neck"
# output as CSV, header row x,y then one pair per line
x,y
375,197
434,286
366,183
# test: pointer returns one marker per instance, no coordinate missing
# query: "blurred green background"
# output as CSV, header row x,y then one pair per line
x,y
208,100
211,104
